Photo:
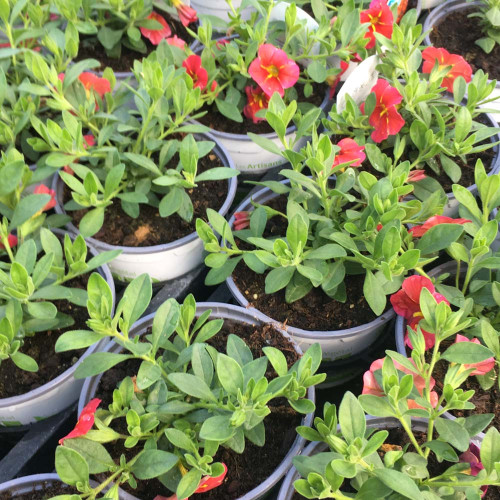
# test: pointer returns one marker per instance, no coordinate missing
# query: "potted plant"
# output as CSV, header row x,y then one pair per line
x,y
233,69
178,383
42,293
124,178
395,114
470,29
118,32
324,240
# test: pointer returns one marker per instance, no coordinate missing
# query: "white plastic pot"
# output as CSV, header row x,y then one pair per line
x,y
437,15
220,9
287,490
56,395
162,262
338,344
224,311
429,4
26,484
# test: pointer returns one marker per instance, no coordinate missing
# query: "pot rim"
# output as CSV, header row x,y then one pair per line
x,y
439,12
297,332
225,311
67,374
33,479
223,155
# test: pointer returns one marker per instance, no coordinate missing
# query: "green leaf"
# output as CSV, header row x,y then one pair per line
x,y
71,466
91,222
328,251
373,293
317,71
399,482
278,279
76,339
153,463
95,454
352,418
136,298
490,449
439,237
230,374
99,362
376,406
265,143
193,386
217,173
466,353
25,362
453,433
188,484
277,359
229,110
217,428
27,208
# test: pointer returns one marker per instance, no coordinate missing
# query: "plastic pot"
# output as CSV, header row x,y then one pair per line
x,y
220,9
162,262
337,344
26,484
224,311
429,4
56,395
287,490
437,15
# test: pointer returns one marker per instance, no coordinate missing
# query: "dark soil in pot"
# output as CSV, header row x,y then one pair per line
x,y
256,464
149,228
90,48
14,381
314,312
48,491
217,121
457,33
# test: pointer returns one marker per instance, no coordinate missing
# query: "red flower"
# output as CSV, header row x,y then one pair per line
x,y
459,66
207,483
88,141
418,231
333,81
350,150
406,303
220,43
187,15
85,421
416,175
241,220
471,456
257,100
371,385
385,117
481,368
11,241
43,189
176,41
196,71
155,36
381,20
379,227
92,82
273,71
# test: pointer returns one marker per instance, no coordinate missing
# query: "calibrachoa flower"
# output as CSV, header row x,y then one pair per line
x,y
350,150
155,36
385,117
43,189
471,456
241,220
85,420
333,81
273,71
88,141
418,231
196,71
371,386
220,43
459,66
11,241
93,82
406,303
187,15
416,175
381,20
481,368
206,484
176,41
257,100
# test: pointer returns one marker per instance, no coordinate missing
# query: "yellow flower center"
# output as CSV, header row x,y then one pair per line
x,y
272,70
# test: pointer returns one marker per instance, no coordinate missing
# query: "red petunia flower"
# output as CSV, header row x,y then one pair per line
x,y
196,71
350,150
11,241
471,456
371,385
482,367
381,20
242,220
85,421
92,82
385,117
155,36
416,175
88,141
257,100
187,15
273,71
207,483
459,66
43,189
418,231
176,41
